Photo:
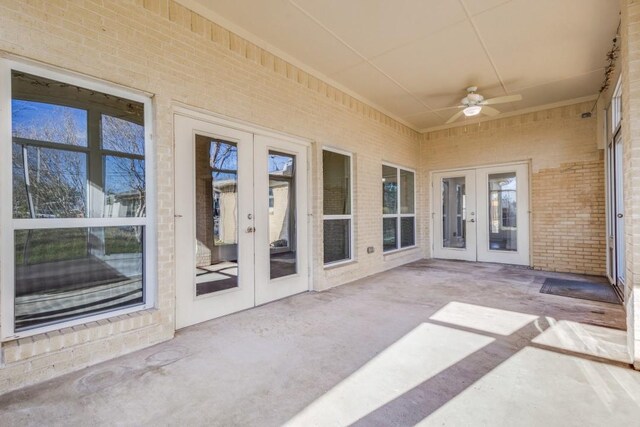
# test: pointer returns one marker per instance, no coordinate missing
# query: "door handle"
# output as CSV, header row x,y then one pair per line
x,y
251,229
472,220
619,215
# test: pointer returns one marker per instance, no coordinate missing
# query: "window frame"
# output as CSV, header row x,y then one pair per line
x,y
398,215
349,217
9,225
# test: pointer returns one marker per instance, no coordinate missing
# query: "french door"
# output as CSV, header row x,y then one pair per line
x,y
241,219
482,214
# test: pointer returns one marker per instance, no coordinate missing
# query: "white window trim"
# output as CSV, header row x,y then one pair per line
x,y
8,224
400,215
350,217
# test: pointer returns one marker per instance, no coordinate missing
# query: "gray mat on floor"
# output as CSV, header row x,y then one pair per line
x,y
601,292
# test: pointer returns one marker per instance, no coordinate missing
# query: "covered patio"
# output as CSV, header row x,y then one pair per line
x,y
432,343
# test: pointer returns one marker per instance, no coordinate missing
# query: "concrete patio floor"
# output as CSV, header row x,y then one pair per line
x,y
429,343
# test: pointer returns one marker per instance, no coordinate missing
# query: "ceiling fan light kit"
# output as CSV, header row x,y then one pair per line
x,y
473,110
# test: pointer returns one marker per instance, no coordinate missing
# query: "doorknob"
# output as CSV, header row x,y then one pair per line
x,y
251,229
472,220
619,215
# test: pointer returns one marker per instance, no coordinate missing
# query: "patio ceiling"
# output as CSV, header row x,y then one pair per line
x,y
410,57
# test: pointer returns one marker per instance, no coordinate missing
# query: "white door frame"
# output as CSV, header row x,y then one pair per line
x,y
184,111
436,238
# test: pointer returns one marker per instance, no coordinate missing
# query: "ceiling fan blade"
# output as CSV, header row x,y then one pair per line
x,y
489,111
501,99
447,108
455,116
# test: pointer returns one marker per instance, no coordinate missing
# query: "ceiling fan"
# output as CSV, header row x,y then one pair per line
x,y
474,104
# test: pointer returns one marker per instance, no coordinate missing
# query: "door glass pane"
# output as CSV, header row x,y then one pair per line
x,y
406,192
503,225
216,215
389,190
282,220
337,240
66,273
389,234
454,213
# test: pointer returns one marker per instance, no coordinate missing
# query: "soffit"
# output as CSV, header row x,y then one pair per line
x,y
410,57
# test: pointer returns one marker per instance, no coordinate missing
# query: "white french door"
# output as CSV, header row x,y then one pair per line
x,y
482,214
282,259
241,219
455,215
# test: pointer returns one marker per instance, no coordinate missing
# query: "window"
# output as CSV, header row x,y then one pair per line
x,y
398,208
338,215
79,223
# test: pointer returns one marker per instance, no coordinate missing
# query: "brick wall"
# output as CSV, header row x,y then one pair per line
x,y
164,49
568,221
567,179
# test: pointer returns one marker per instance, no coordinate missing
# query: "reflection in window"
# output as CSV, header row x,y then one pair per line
x,y
389,234
406,191
53,185
389,190
502,212
336,202
122,135
69,273
216,165
39,121
282,221
398,208
337,240
454,212
62,170
124,186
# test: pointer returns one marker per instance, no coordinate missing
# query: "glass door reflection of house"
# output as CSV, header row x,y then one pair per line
x,y
240,220
216,215
482,214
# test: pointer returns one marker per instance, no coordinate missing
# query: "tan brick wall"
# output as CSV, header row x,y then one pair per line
x,y
567,179
164,49
568,221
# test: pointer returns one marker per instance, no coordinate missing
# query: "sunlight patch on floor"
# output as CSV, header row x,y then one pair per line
x,y
419,355
591,340
487,319
526,388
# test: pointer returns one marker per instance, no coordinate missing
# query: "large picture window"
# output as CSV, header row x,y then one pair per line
x,y
337,209
398,208
79,226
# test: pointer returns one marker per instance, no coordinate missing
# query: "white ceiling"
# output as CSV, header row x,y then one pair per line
x,y
410,57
